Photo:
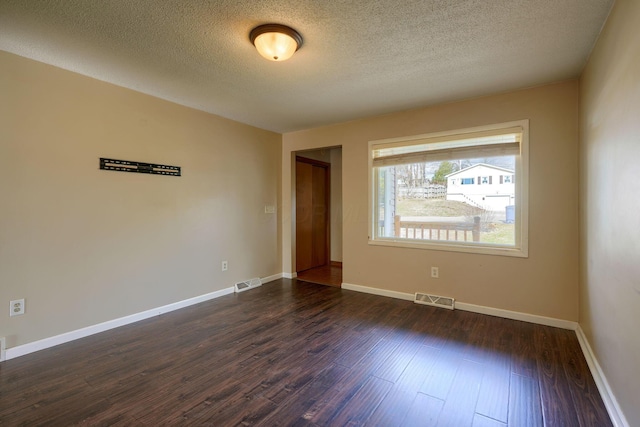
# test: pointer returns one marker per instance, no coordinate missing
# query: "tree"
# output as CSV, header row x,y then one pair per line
x,y
446,167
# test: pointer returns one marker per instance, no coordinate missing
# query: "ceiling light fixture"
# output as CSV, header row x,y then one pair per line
x,y
275,42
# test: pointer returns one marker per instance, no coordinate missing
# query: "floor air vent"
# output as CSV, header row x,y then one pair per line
x,y
434,300
247,284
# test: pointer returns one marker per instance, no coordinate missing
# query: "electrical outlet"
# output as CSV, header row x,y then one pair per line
x,y
435,272
16,307
269,209
225,265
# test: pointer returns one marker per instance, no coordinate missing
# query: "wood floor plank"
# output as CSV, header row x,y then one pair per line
x,y
329,405
291,373
424,411
554,388
482,421
446,364
434,330
204,406
584,392
350,352
493,401
330,275
378,356
238,411
460,405
326,408
524,402
396,405
299,410
398,361
523,350
363,403
291,353
203,394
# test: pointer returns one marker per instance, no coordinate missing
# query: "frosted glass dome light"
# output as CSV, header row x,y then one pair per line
x,y
275,42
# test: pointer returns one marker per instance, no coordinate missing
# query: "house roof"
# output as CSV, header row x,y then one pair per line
x,y
498,168
360,58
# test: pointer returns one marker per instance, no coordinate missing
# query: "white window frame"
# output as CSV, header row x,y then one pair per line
x,y
521,247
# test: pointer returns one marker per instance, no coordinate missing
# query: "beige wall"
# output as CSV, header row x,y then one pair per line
x,y
84,246
323,154
610,204
544,284
336,204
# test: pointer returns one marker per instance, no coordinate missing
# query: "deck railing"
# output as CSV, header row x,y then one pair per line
x,y
438,230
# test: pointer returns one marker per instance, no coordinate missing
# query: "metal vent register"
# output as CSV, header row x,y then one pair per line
x,y
434,300
247,284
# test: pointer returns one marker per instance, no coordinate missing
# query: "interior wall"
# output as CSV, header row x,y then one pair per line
x,y
83,245
546,283
610,204
323,155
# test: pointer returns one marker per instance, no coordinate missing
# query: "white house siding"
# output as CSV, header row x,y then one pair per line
x,y
489,187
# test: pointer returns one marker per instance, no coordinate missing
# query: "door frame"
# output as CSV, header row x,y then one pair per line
x,y
327,196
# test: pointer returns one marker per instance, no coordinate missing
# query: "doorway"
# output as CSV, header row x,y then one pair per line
x,y
318,210
312,213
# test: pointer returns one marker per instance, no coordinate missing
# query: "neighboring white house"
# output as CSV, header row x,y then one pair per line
x,y
486,186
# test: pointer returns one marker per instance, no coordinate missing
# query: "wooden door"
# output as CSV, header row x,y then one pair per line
x,y
312,213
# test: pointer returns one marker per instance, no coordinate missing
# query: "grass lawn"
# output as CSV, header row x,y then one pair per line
x,y
434,207
500,233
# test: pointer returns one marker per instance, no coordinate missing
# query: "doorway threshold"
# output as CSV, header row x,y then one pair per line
x,y
330,275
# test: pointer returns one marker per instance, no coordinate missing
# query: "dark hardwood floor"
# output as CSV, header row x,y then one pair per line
x,y
330,275
295,353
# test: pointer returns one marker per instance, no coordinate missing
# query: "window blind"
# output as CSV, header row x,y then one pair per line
x,y
497,142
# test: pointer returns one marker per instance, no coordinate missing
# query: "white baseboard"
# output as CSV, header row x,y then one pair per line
x,y
610,402
516,315
507,314
290,275
42,344
271,278
378,291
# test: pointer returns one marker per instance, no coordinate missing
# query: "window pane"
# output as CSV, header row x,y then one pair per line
x,y
461,200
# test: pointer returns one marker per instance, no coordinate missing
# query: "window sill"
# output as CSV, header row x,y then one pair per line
x,y
473,249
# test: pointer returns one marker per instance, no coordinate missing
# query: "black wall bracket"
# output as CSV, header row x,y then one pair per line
x,y
138,167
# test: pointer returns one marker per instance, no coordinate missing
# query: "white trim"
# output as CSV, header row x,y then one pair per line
x,y
610,402
42,344
290,275
517,315
271,278
442,245
378,291
507,314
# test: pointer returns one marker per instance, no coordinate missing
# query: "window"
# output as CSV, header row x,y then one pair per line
x,y
506,179
440,191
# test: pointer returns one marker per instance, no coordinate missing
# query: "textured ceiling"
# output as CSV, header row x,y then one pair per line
x,y
360,57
